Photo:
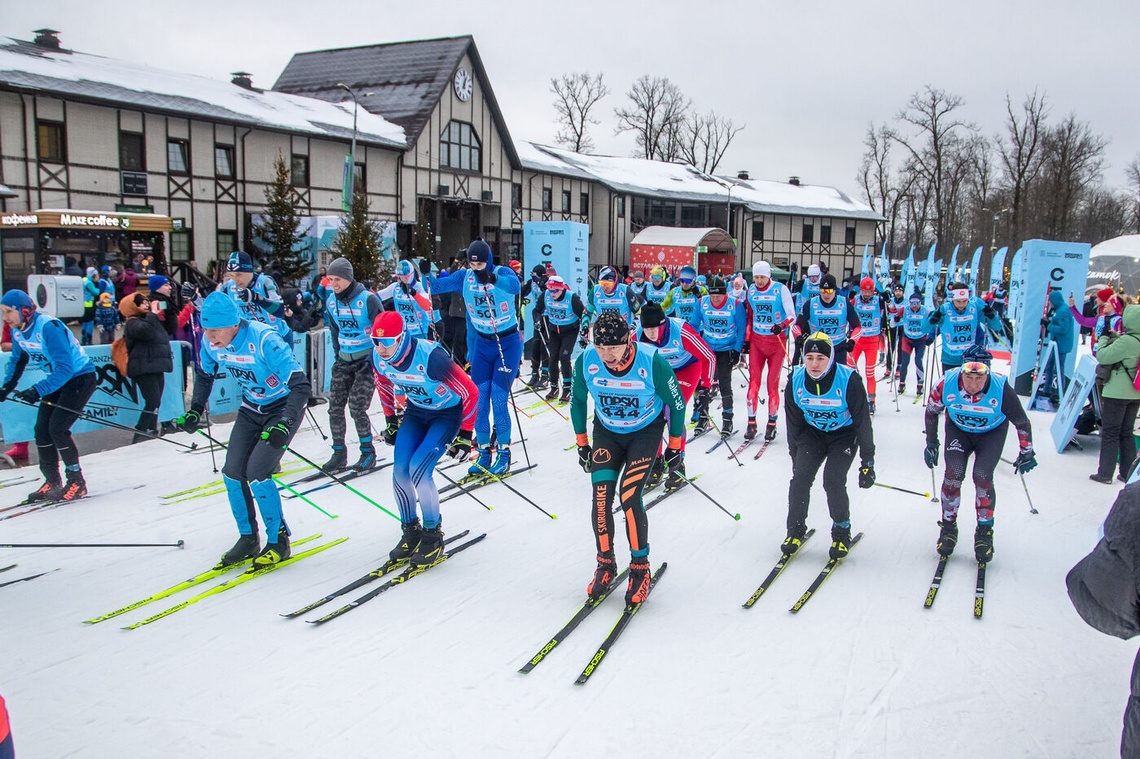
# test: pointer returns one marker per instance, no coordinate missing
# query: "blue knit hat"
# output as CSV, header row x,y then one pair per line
x,y
156,282
239,261
220,310
18,299
479,251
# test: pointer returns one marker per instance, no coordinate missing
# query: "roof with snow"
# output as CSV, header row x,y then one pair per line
x,y
1126,245
689,237
27,67
639,176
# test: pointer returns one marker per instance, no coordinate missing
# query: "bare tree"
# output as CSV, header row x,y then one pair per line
x,y
1073,159
1019,152
705,139
575,96
884,192
1132,173
656,117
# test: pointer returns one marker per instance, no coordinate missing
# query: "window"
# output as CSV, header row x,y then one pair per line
x,y
825,234
516,196
849,237
565,201
547,199
178,156
650,212
809,232
181,246
359,178
693,216
757,229
621,207
584,204
224,161
299,171
50,142
132,156
459,147
227,242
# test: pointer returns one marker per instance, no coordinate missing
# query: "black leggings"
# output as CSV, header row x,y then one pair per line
x,y
811,452
1117,418
560,347
630,455
151,387
53,424
724,367
986,448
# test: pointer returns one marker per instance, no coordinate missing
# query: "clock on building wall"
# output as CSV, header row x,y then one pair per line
x,y
463,84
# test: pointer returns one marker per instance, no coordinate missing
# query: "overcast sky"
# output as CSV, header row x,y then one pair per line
x,y
806,77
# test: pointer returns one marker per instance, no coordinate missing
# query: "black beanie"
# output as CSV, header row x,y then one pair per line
x,y
817,342
716,286
827,282
611,329
652,315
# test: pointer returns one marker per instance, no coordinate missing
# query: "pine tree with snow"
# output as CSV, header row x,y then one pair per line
x,y
281,228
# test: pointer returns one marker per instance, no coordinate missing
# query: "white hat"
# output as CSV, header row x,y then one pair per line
x,y
761,269
813,270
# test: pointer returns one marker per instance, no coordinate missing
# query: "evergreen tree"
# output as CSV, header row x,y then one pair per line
x,y
422,246
358,240
281,229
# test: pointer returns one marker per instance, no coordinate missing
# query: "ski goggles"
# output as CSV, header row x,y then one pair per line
x,y
827,289
976,368
386,342
686,280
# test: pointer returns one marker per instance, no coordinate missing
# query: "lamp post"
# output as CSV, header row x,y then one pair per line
x,y
993,230
355,104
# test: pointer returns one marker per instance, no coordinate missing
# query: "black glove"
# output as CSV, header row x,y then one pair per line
x,y
848,345
930,455
188,422
244,294
189,291
425,267
1044,322
989,312
744,349
485,276
777,329
584,338
461,447
1025,461
672,458
6,391
733,358
929,341
867,475
391,428
277,436
31,395
584,452
936,317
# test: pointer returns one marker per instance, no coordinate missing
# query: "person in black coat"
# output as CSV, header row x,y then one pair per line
x,y
1104,588
148,358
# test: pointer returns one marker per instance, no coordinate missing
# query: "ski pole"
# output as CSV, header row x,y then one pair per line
x,y
213,458
25,579
465,490
730,451
933,487
313,419
501,479
106,423
901,490
333,477
282,484
1032,510
179,544
714,501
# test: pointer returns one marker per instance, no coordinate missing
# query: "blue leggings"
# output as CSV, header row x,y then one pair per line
x,y
422,439
493,384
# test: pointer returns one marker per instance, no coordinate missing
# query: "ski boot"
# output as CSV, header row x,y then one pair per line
x,y
704,424
49,491
676,479
871,407
366,461
246,547
603,576
75,488
770,431
502,463
750,430
554,394
918,390
565,392
840,541
984,543
537,380
274,553
794,540
947,538
408,542
656,474
639,579
725,426
483,463
338,461
430,549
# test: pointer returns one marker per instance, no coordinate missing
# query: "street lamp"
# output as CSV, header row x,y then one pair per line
x,y
355,105
993,230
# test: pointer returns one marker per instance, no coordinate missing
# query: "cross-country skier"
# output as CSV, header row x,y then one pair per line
x,y
47,344
630,384
806,289
833,316
559,310
637,286
488,294
275,394
610,295
769,314
827,424
961,320
440,409
657,289
683,297
872,312
916,333
256,294
694,364
410,300
722,326
980,406
895,307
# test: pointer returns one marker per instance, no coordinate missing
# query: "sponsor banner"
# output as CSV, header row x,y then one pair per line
x,y
1062,429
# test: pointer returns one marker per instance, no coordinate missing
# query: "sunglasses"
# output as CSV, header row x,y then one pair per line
x,y
386,342
827,289
975,367
686,280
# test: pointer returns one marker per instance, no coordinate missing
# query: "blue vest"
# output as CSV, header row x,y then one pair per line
x,y
352,322
673,349
656,295
258,359
827,412
870,315
489,310
767,307
830,320
32,343
627,403
685,304
807,292
718,325
983,416
559,311
636,289
615,301
420,389
914,323
267,289
416,318
958,329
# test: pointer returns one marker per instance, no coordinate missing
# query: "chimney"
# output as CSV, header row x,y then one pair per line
x,y
242,79
742,175
47,38
794,181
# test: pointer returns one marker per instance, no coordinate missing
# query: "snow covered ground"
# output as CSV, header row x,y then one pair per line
x,y
862,671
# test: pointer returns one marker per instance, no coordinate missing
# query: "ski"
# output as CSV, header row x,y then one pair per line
x,y
17,481
827,570
623,621
10,566
740,448
776,570
352,475
980,590
662,496
233,582
720,442
583,611
197,579
936,583
36,506
318,475
763,448
25,579
478,481
698,434
399,579
388,566
219,483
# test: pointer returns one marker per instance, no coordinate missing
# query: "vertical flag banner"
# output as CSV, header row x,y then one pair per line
x,y
975,262
951,270
865,268
1016,281
908,272
997,269
929,278
346,183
